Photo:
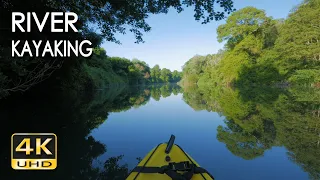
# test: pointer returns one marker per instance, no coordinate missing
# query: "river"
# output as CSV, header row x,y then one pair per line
x,y
245,133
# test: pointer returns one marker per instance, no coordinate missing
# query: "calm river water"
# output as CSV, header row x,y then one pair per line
x,y
250,133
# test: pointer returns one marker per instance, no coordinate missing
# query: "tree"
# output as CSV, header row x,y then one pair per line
x,y
247,33
155,73
143,69
299,37
247,22
134,74
176,76
193,69
165,75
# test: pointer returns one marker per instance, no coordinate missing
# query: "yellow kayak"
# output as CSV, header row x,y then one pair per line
x,y
168,161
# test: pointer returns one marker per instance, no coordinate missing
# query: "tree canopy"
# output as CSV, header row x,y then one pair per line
x,y
263,50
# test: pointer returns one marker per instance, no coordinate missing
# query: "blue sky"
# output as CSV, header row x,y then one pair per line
x,y
175,38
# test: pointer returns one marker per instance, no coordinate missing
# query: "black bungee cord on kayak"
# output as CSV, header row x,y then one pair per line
x,y
172,168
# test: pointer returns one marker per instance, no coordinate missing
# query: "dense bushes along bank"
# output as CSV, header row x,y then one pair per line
x,y
102,71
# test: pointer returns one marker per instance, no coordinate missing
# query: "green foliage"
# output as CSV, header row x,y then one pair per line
x,y
176,76
257,74
305,77
101,71
248,21
155,73
298,42
164,75
197,66
262,50
246,32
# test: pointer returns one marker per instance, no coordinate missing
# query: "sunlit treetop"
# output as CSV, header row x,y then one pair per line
x,y
244,22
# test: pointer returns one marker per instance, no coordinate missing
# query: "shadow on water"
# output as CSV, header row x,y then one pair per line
x,y
259,118
72,116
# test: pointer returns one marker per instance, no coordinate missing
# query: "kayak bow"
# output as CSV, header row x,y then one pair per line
x,y
168,161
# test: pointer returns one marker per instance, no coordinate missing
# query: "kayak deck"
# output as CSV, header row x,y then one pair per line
x,y
159,157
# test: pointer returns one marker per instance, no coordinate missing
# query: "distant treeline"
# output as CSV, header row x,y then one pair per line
x,y
263,50
103,70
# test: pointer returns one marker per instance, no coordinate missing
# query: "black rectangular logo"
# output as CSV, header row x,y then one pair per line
x,y
34,151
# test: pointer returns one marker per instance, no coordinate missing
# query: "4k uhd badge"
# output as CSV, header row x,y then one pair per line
x,y
34,151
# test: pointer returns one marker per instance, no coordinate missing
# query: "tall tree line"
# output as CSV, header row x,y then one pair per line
x,y
262,50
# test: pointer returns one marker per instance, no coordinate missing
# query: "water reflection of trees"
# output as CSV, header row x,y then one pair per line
x,y
72,116
164,90
258,118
